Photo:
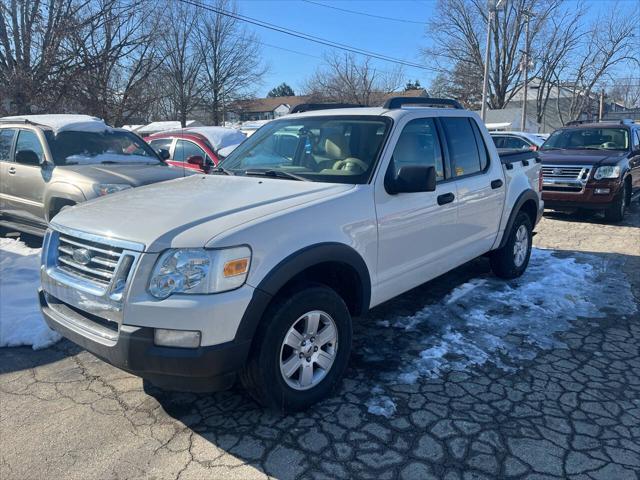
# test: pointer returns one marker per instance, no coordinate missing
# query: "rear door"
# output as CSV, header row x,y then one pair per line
x,y
479,183
416,231
27,178
7,136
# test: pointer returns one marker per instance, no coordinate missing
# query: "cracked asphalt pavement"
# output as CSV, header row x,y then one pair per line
x,y
570,410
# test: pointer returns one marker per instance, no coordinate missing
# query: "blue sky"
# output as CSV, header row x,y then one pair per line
x,y
395,39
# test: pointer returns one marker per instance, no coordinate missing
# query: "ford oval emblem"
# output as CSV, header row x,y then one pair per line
x,y
82,256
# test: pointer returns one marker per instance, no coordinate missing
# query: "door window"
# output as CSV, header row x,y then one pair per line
x,y
499,141
516,143
6,141
28,142
418,144
185,149
461,142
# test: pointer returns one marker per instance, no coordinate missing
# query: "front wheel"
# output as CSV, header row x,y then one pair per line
x,y
615,213
301,349
511,260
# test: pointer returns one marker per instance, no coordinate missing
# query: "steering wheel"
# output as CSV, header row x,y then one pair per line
x,y
351,164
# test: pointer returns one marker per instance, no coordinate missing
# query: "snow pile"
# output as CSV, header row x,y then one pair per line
x,y
21,322
219,137
65,122
489,319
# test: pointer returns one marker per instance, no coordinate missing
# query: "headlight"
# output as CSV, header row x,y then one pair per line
x,y
196,270
102,189
607,172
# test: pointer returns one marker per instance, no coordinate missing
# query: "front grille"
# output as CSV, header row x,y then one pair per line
x,y
88,260
564,171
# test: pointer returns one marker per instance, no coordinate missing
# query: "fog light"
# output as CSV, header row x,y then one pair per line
x,y
602,191
176,338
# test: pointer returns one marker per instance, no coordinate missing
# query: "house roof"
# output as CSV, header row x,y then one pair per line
x,y
268,104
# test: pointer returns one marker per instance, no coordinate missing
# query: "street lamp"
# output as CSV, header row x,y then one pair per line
x,y
493,6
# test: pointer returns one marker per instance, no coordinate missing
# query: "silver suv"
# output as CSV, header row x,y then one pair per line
x,y
48,162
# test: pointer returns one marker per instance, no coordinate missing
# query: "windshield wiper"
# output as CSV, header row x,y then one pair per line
x,y
276,174
221,170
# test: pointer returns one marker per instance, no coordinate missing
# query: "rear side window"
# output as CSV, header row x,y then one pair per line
x,y
418,144
482,148
463,146
6,141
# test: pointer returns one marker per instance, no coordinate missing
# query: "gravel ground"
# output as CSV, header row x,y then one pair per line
x,y
440,385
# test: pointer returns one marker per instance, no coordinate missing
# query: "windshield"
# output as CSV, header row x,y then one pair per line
x,y
588,139
334,149
80,148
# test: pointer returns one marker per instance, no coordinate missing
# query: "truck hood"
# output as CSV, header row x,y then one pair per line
x,y
130,174
188,212
580,157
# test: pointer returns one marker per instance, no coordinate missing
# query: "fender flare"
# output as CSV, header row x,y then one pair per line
x,y
525,196
295,264
62,191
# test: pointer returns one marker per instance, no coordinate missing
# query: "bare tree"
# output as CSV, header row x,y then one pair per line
x,y
344,78
36,59
232,68
458,34
119,51
626,91
608,44
182,65
559,39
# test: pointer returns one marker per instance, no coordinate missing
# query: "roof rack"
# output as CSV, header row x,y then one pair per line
x,y
312,107
399,102
624,121
18,120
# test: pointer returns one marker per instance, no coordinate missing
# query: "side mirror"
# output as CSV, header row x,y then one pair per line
x,y
164,154
413,178
27,157
196,160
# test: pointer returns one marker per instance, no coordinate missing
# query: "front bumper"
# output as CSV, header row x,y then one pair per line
x,y
587,198
132,349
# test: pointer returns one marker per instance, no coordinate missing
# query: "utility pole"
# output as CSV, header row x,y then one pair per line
x,y
492,6
601,109
525,58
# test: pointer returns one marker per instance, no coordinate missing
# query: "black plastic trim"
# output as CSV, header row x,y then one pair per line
x,y
524,197
399,102
293,265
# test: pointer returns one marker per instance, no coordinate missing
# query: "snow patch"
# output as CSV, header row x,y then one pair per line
x,y
489,319
380,404
64,122
21,322
220,137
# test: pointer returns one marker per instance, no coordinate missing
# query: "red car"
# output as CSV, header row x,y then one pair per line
x,y
194,148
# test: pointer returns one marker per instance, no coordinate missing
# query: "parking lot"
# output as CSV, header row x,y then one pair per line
x,y
463,377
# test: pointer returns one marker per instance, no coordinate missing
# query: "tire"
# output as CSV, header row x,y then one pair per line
x,y
615,213
263,375
509,261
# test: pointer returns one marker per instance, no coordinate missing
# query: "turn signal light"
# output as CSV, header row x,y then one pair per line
x,y
236,267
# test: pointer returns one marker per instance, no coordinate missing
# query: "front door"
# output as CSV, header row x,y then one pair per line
x,y
26,179
416,231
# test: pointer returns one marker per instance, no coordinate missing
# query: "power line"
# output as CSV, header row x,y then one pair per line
x,y
304,36
393,19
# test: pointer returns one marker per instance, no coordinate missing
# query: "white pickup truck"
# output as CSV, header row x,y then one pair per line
x,y
258,269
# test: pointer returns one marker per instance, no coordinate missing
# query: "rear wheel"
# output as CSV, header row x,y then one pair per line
x,y
615,213
300,350
511,260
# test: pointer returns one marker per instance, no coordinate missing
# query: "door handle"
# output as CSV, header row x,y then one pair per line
x,y
12,170
497,184
446,198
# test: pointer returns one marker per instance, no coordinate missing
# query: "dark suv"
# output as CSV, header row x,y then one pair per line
x,y
592,166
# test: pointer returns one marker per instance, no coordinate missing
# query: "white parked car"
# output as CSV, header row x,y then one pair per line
x,y
517,140
259,268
